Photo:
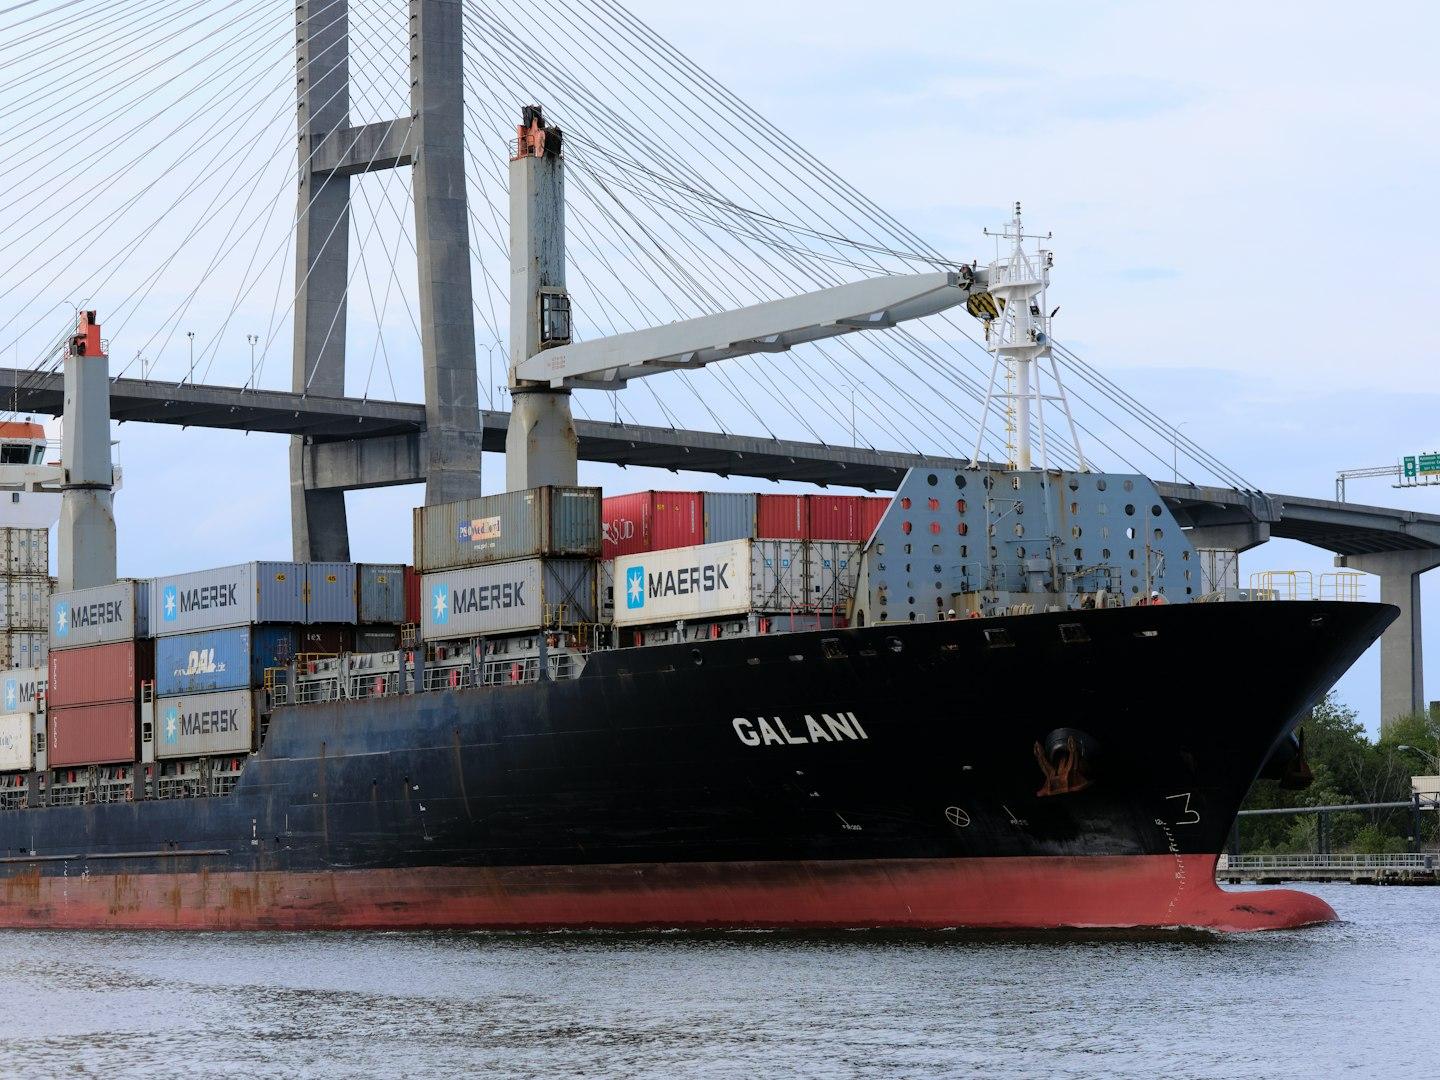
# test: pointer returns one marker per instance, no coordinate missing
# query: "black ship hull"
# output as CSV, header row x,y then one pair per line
x,y
1069,769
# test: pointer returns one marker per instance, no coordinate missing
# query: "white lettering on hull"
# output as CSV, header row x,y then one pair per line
x,y
773,731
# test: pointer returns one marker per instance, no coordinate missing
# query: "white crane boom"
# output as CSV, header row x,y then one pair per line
x,y
607,363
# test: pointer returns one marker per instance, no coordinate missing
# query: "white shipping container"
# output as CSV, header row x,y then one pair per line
x,y
98,616
196,725
710,581
26,551
1219,570
25,603
833,568
24,648
23,689
17,734
255,592
503,598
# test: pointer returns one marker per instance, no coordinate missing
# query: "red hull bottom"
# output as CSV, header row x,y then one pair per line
x,y
992,893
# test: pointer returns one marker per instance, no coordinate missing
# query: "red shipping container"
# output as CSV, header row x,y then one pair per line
x,y
651,521
781,517
834,517
872,509
91,734
412,596
99,674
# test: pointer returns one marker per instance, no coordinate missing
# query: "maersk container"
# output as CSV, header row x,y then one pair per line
x,y
710,581
118,612
25,602
729,515
330,592
545,521
254,592
91,734
781,517
381,588
24,689
198,725
98,674
505,598
653,521
26,551
17,742
227,659
831,574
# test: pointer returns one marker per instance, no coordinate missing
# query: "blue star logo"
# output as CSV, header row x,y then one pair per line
x,y
172,725
62,619
12,694
635,587
440,604
169,603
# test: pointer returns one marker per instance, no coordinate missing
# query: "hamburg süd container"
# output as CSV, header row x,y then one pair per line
x,y
781,517
91,734
98,674
512,597
229,659
545,521
17,742
25,602
652,521
329,592
198,725
729,515
118,612
710,580
23,689
412,596
254,592
849,518
872,509
381,591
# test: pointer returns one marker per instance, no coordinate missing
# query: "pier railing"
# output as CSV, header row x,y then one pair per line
x,y
1334,862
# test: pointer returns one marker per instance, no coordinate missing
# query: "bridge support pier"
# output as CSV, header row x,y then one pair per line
x,y
1402,683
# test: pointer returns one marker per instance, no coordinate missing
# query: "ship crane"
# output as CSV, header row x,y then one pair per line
x,y
546,364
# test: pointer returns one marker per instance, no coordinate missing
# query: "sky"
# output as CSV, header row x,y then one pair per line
x,y
1242,203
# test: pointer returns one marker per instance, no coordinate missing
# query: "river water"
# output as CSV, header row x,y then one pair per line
x,y
1357,998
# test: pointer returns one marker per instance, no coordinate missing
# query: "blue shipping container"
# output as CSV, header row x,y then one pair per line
x,y
382,593
220,659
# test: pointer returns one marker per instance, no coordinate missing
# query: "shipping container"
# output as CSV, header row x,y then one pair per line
x,y
24,648
872,509
546,521
118,612
781,517
228,659
381,591
831,574
729,515
324,640
254,592
26,551
504,598
377,639
98,674
24,689
653,521
330,592
91,734
710,581
412,596
1219,570
17,742
199,725
25,602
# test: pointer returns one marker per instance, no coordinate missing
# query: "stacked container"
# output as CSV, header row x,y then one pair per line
x,y
100,657
22,719
25,587
653,521
508,563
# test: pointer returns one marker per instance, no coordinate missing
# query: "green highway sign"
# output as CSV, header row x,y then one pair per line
x,y
1410,468
1429,463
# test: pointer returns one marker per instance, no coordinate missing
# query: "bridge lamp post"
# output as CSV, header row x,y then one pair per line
x,y
1431,758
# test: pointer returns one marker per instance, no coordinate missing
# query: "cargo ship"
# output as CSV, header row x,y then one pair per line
x,y
973,704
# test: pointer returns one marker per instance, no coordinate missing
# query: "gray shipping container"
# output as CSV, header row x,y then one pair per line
x,y
25,602
26,551
548,521
507,598
119,612
779,569
729,515
833,570
255,592
330,592
196,725
382,593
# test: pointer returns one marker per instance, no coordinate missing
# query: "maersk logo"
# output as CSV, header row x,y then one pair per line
x,y
173,602
172,726
440,604
203,722
12,694
62,620
170,603
107,613
17,694
710,577
635,587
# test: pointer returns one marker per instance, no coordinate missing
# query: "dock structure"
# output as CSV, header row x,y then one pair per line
x,y
1420,868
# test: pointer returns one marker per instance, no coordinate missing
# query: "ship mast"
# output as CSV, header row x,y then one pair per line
x,y
1018,337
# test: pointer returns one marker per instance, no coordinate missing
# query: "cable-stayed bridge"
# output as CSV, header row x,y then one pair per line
x,y
204,206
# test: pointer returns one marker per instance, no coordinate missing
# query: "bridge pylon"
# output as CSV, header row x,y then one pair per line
x,y
331,151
